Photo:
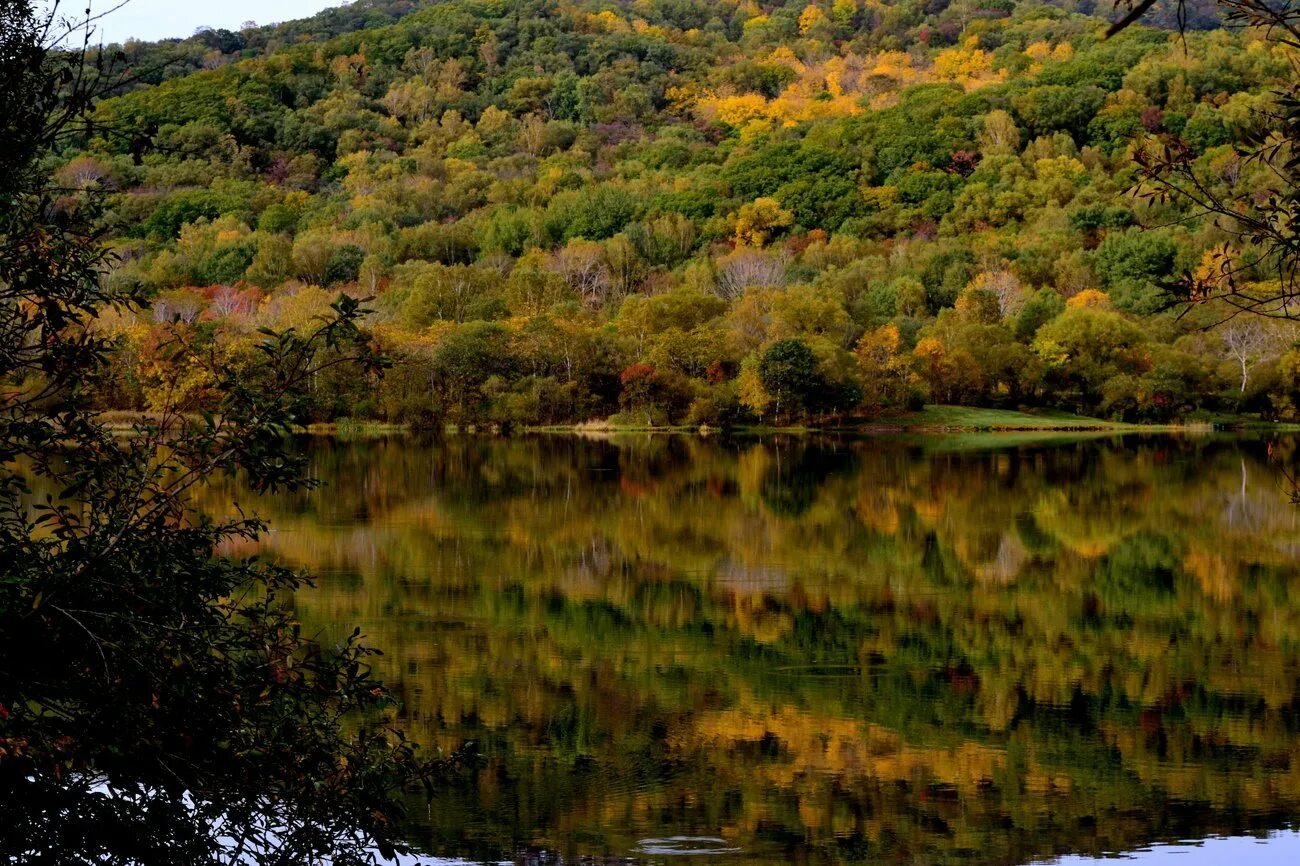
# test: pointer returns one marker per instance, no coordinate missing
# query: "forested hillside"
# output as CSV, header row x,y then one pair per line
x,y
689,211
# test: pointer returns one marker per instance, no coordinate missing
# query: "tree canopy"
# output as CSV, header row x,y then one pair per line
x,y
539,165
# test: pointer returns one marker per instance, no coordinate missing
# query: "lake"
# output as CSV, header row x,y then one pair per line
x,y
973,649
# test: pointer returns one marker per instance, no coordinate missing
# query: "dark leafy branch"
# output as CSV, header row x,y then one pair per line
x,y
1257,269
159,702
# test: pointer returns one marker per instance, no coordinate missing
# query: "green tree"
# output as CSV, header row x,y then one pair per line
x,y
1039,309
463,362
1085,348
1057,108
789,373
1131,264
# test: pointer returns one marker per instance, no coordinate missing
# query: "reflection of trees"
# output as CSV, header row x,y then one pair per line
x,y
1021,643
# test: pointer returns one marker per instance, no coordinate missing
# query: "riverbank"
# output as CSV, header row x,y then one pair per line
x,y
120,421
931,419
946,419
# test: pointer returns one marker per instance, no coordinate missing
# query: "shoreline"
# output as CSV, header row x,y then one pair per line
x,y
932,420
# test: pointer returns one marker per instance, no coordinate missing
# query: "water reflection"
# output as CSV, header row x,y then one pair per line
x,y
685,846
1274,849
824,651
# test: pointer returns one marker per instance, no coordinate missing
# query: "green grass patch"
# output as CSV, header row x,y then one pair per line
x,y
974,418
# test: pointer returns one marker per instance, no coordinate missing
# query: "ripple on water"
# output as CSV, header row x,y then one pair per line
x,y
820,672
684,846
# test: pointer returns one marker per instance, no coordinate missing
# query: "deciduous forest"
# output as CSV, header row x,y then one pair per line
x,y
696,213
830,227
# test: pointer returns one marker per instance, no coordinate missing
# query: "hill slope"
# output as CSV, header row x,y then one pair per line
x,y
691,210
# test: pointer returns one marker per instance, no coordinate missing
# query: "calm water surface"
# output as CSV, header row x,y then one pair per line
x,y
968,650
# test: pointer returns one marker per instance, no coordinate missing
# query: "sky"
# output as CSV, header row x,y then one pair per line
x,y
160,19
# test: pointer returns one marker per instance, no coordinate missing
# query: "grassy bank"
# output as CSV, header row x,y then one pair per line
x,y
931,419
348,427
948,418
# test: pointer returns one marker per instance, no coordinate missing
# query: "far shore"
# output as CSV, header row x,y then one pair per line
x,y
929,420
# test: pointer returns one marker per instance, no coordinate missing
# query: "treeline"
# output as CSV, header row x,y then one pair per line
x,y
685,212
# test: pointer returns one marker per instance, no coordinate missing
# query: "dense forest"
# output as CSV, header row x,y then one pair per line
x,y
688,212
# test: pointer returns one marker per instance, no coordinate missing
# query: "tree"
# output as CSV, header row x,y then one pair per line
x,y
748,268
158,701
463,362
886,376
1000,134
658,395
1005,287
583,267
424,293
788,372
1053,107
844,12
812,19
1249,340
977,303
1132,265
1085,348
759,220
596,213
1039,309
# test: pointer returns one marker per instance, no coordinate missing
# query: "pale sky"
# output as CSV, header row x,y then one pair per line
x,y
161,19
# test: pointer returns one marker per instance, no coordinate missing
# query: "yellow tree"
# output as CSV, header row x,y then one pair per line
x,y
812,18
885,372
759,220
1089,299
950,373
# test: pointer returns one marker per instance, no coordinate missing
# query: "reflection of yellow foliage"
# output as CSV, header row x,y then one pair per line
x,y
1087,530
841,747
1004,565
477,564
877,511
750,617
1216,573
1042,784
